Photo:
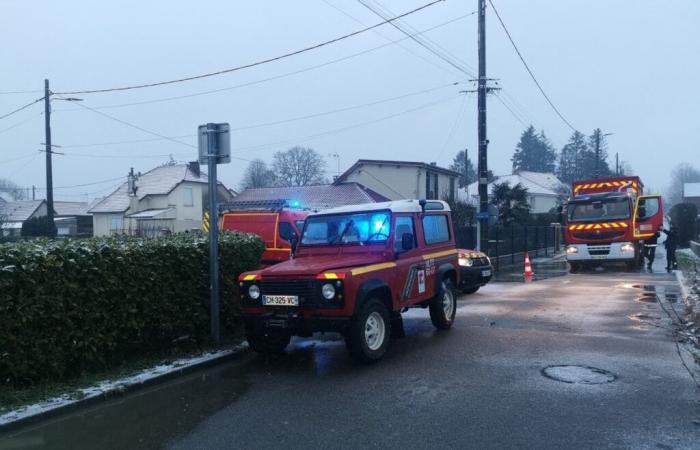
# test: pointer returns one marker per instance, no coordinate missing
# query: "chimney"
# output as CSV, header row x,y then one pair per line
x,y
193,166
433,164
131,186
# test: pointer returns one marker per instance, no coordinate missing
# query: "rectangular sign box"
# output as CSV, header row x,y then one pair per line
x,y
223,144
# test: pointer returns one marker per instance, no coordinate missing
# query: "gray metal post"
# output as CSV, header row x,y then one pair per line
x,y
213,235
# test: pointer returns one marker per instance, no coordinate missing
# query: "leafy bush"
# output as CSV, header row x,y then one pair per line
x,y
72,306
684,216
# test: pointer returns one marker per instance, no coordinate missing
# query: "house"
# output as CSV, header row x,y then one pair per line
x,y
544,190
72,218
691,193
13,214
167,199
314,197
398,180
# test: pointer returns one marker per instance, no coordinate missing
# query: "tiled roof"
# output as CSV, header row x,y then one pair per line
x,y
71,208
159,181
19,211
536,183
315,197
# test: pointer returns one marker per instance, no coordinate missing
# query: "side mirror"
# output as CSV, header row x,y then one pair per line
x,y
406,241
294,240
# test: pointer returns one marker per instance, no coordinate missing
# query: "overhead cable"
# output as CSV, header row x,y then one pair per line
x,y
21,108
257,63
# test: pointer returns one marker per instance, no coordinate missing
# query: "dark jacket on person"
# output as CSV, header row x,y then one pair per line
x,y
671,240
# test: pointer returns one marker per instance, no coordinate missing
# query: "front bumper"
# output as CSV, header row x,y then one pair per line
x,y
295,323
475,276
602,252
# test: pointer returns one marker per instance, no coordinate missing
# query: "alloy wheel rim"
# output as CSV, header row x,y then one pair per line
x,y
448,304
375,331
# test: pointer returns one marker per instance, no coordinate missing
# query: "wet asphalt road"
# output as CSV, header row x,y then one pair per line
x,y
479,385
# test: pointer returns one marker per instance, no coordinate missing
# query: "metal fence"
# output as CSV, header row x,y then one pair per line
x,y
507,244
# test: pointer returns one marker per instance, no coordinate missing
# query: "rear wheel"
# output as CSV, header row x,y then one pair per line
x,y
267,340
575,267
368,336
444,306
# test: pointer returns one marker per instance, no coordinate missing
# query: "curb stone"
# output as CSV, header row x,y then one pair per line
x,y
58,405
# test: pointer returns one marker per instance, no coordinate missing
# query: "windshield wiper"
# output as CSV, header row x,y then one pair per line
x,y
342,235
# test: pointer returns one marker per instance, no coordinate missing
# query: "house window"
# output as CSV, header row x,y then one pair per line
x,y
452,188
188,196
117,223
435,229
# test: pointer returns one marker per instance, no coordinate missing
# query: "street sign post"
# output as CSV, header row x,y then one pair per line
x,y
214,148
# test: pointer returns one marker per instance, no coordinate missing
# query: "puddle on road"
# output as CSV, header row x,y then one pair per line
x,y
646,298
578,374
641,317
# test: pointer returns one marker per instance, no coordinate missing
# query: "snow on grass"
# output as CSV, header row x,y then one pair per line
x,y
114,386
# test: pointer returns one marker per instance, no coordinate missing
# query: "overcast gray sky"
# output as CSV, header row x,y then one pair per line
x,y
628,67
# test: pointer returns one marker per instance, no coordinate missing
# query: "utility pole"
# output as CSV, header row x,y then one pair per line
x,y
596,174
33,192
49,151
617,163
483,141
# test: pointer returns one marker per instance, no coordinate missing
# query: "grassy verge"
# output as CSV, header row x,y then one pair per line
x,y
13,398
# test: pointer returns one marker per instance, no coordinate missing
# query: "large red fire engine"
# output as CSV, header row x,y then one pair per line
x,y
608,219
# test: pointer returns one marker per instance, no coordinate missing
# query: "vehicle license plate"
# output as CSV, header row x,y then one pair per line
x,y
280,300
485,273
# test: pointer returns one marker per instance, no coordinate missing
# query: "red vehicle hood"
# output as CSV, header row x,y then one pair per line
x,y
311,266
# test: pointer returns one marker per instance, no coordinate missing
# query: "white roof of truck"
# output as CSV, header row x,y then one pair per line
x,y
395,206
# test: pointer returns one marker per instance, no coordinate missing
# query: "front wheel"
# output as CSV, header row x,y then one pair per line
x,y
444,306
368,336
268,340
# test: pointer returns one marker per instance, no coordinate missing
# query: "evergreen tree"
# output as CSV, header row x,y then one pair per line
x,y
467,176
534,152
570,160
512,203
589,161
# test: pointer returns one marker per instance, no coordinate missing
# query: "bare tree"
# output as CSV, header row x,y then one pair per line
x,y
299,166
683,173
258,175
11,188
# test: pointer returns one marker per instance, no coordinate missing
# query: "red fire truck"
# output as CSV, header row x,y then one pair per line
x,y
277,222
608,219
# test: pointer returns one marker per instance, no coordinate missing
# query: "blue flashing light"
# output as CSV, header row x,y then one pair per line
x,y
295,204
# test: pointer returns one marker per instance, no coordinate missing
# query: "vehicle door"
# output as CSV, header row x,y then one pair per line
x,y
438,248
409,280
648,216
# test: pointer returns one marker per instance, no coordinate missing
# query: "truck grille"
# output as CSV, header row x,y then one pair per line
x,y
304,289
598,250
602,236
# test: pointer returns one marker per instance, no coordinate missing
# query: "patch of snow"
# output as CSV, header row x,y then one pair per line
x,y
114,386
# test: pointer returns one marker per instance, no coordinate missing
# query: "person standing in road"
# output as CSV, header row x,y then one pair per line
x,y
650,249
671,244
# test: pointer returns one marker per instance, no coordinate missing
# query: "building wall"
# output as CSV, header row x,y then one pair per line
x,y
542,203
398,182
102,223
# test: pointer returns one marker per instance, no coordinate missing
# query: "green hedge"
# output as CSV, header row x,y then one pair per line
x,y
72,306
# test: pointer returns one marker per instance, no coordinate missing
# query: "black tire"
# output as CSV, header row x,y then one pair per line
x,y
268,341
372,316
470,290
444,306
575,267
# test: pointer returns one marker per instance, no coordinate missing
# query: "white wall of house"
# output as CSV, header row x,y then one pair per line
x,y
399,182
542,203
104,223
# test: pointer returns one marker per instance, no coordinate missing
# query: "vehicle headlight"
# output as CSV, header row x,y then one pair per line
x,y
465,262
254,292
627,247
328,291
571,249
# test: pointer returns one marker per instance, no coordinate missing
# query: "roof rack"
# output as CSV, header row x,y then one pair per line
x,y
254,205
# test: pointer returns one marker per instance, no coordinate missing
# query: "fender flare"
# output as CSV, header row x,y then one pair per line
x,y
366,288
443,272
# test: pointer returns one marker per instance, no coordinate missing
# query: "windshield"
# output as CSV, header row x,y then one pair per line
x,y
358,228
607,209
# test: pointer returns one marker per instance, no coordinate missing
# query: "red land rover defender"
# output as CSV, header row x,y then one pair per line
x,y
355,269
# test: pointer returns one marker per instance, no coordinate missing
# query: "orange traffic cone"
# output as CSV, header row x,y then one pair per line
x,y
528,274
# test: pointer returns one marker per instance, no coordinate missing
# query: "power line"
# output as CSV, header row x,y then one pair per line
x,y
276,77
532,75
22,108
21,123
282,121
33,91
84,184
517,117
451,133
129,124
442,56
257,63
349,127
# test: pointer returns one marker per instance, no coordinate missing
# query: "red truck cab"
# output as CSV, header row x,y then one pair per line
x,y
608,219
276,222
356,268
